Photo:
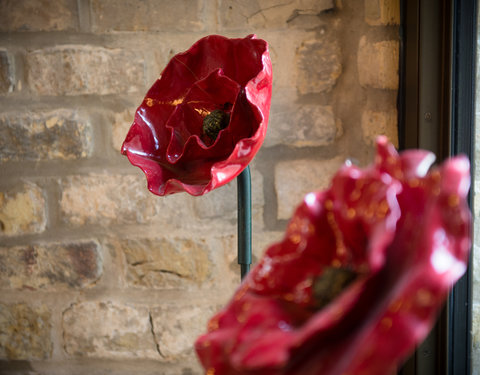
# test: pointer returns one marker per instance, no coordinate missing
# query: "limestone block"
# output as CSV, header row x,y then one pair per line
x,y
382,12
476,336
164,263
38,15
176,329
377,64
83,70
60,134
108,330
318,65
240,14
147,15
295,178
376,123
302,125
53,266
106,199
6,72
121,124
221,204
22,210
25,332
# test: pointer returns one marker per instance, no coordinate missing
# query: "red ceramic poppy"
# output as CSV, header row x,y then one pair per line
x,y
205,118
357,280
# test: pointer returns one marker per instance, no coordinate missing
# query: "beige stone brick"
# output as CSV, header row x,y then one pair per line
x,y
221,204
121,124
382,12
147,15
60,134
38,15
476,336
237,14
380,123
6,72
105,199
54,266
318,65
22,210
302,125
295,178
82,70
108,330
177,327
164,263
25,332
377,64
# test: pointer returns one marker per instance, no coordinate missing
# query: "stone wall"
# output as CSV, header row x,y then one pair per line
x,y
97,275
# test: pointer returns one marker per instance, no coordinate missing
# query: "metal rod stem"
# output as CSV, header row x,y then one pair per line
x,y
244,194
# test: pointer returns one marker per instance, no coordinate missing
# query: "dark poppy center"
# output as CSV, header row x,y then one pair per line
x,y
214,122
331,283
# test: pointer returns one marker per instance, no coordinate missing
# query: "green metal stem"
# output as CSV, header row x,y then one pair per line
x,y
244,194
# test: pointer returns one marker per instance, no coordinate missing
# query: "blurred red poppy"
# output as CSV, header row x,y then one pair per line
x,y
205,118
359,277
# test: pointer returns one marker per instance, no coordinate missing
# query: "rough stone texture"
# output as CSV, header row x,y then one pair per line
x,y
121,124
108,330
50,266
235,14
147,15
294,179
476,262
476,337
221,204
60,134
6,72
22,210
300,126
380,123
119,199
38,15
176,328
25,332
378,64
164,263
79,70
318,65
382,12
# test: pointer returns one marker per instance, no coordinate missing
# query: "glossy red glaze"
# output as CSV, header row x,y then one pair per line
x,y
404,232
165,139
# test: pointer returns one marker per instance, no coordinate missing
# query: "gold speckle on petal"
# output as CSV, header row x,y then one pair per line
x,y
414,182
211,371
206,344
395,306
386,323
355,195
453,200
295,238
424,297
328,204
351,213
212,325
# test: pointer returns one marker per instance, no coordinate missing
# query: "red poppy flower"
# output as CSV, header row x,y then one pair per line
x,y
359,277
205,118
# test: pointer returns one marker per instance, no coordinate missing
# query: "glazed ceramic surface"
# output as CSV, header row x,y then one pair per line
x,y
167,140
359,277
